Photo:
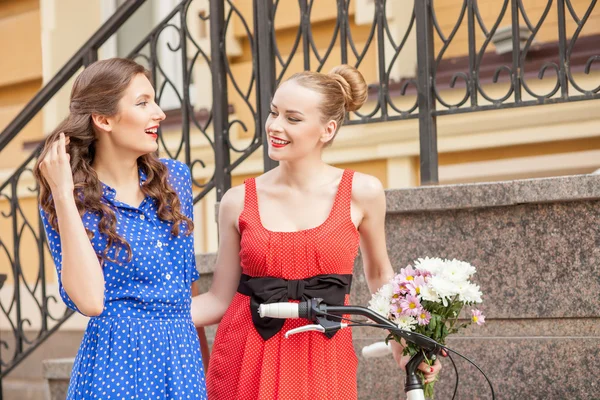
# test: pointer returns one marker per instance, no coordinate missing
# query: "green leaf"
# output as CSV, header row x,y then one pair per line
x,y
433,322
438,331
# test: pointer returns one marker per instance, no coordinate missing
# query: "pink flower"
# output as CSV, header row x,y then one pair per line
x,y
423,273
406,274
423,317
414,286
477,317
399,290
410,305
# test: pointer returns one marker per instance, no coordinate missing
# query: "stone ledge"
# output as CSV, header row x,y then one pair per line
x,y
205,263
525,368
24,389
58,368
493,194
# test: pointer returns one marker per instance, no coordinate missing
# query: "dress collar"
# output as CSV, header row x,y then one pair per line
x,y
109,193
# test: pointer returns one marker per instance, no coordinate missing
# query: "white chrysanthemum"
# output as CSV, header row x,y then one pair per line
x,y
380,304
469,293
386,291
457,271
444,288
432,265
467,267
406,322
427,293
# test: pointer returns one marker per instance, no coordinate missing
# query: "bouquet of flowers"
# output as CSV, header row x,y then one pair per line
x,y
427,298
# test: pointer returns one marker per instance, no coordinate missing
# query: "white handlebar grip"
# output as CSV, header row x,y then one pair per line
x,y
278,310
378,349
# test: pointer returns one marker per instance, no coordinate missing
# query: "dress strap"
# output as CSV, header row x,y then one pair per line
x,y
250,200
343,198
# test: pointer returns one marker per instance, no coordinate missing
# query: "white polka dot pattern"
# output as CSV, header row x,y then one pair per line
x,y
305,366
144,344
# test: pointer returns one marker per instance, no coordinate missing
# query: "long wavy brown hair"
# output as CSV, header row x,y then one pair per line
x,y
98,90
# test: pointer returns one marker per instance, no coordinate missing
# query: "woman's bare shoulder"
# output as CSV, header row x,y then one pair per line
x,y
233,199
366,188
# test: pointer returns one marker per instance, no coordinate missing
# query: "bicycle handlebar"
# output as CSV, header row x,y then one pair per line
x,y
377,349
279,310
314,310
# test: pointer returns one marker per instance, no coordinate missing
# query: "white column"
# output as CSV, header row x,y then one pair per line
x,y
402,172
169,61
59,19
109,49
399,14
405,65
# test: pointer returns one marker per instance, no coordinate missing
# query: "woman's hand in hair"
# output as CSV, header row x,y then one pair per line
x,y
56,168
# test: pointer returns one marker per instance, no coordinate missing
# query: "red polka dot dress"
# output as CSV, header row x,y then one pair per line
x,y
307,365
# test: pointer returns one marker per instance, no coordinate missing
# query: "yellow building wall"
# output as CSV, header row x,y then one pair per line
x,y
534,149
20,79
20,71
287,14
388,151
448,11
20,45
21,76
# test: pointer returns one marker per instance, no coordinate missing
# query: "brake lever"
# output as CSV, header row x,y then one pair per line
x,y
329,329
305,328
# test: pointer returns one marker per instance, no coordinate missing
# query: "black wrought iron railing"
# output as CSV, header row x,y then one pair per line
x,y
221,127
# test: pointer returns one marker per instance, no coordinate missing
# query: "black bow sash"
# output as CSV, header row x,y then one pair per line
x,y
332,288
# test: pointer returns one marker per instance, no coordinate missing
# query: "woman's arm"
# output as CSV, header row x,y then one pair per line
x,y
208,308
81,274
368,197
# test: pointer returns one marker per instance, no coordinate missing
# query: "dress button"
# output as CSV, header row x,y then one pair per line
x,y
142,217
168,276
158,244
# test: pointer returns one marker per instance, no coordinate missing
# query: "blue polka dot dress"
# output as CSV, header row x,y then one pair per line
x,y
144,344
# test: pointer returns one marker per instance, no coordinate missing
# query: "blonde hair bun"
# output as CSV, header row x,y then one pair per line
x,y
353,86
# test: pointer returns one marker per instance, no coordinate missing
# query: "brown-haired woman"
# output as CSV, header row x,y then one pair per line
x,y
301,220
118,222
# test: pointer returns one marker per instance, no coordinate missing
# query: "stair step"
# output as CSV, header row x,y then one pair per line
x,y
23,389
58,371
58,368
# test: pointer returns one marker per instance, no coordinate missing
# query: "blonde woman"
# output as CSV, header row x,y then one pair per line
x,y
299,225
